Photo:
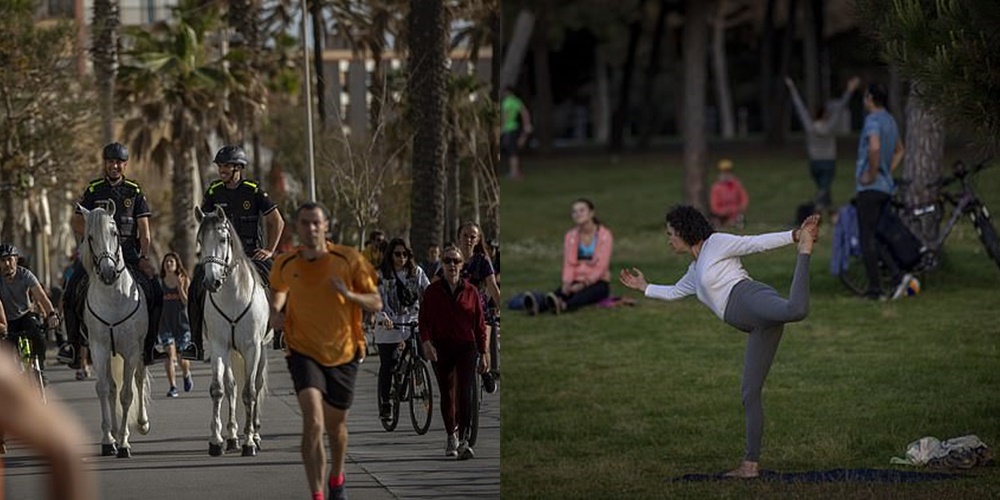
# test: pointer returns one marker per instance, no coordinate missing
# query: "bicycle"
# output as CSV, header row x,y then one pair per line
x,y
29,366
411,382
494,370
475,403
964,203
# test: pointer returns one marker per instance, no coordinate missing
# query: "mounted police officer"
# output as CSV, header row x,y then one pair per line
x,y
132,218
245,204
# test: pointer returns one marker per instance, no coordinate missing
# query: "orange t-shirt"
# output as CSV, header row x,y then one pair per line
x,y
319,322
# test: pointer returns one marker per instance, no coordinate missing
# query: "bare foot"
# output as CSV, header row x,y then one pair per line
x,y
746,470
808,233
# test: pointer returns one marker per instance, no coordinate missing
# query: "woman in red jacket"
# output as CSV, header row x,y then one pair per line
x,y
453,332
586,264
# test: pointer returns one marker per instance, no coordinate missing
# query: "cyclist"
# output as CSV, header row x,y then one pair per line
x,y
20,292
453,331
401,284
245,204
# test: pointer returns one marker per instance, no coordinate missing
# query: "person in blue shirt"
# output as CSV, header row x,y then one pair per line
x,y
880,150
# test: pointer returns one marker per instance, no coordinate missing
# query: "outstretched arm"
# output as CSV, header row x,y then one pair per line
x,y
635,280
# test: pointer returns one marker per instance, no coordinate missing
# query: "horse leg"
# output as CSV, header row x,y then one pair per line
x,y
142,398
251,358
261,387
215,441
127,394
232,427
105,387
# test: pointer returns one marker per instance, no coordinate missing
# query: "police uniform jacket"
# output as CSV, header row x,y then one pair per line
x,y
244,206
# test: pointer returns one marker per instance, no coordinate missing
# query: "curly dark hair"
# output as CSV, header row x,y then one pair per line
x,y
689,224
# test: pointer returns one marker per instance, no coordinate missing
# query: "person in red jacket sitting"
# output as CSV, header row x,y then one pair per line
x,y
729,199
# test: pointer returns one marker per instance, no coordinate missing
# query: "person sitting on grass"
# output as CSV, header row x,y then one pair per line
x,y
586,271
718,279
728,197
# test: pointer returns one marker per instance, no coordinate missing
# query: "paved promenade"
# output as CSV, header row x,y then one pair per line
x,y
172,461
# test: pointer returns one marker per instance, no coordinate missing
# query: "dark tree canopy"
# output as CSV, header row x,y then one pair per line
x,y
952,48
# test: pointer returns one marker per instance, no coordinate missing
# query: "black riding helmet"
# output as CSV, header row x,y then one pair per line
x,y
231,154
116,151
8,250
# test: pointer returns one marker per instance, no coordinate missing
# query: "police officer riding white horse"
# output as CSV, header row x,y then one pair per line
x,y
131,216
245,203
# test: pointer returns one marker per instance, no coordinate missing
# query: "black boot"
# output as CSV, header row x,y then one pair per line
x,y
195,308
154,308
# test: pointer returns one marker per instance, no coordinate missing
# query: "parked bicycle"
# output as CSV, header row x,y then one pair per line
x,y
411,383
895,239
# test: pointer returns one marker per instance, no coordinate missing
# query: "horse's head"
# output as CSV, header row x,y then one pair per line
x,y
102,249
218,242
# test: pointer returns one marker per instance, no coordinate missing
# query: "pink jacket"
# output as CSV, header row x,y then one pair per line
x,y
587,271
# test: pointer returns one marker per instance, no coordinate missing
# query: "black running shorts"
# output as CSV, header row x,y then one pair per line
x,y
336,383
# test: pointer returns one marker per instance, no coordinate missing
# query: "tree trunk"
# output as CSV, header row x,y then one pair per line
x,y
541,116
811,34
454,198
622,112
695,79
426,88
378,85
182,204
104,50
767,66
519,39
652,70
319,34
777,133
601,99
722,94
924,160
896,96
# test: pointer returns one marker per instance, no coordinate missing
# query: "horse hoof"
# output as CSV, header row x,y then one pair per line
x,y
232,445
3,449
249,450
256,442
144,428
124,452
215,450
108,450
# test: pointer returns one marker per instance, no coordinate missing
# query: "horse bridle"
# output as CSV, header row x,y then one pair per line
x,y
115,257
226,263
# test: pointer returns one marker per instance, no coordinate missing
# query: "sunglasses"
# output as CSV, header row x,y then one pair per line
x,y
451,261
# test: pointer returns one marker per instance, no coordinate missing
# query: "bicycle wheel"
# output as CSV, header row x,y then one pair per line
x,y
854,277
472,429
421,397
987,233
36,377
389,424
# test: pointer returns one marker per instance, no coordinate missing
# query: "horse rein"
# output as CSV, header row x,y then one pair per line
x,y
228,268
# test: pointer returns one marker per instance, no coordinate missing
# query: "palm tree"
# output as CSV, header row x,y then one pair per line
x,y
105,53
426,87
174,92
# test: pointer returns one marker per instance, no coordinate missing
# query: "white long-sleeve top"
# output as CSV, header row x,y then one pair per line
x,y
718,269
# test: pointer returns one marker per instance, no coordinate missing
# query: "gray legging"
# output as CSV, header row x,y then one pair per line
x,y
757,309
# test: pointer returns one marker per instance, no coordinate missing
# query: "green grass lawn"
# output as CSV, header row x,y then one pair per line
x,y
615,403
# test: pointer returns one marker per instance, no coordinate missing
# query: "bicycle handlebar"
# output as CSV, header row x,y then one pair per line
x,y
400,326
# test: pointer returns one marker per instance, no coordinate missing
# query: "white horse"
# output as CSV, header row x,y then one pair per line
x,y
236,321
116,318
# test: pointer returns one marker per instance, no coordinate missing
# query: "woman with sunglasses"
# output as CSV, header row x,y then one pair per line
x,y
479,270
453,332
401,284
